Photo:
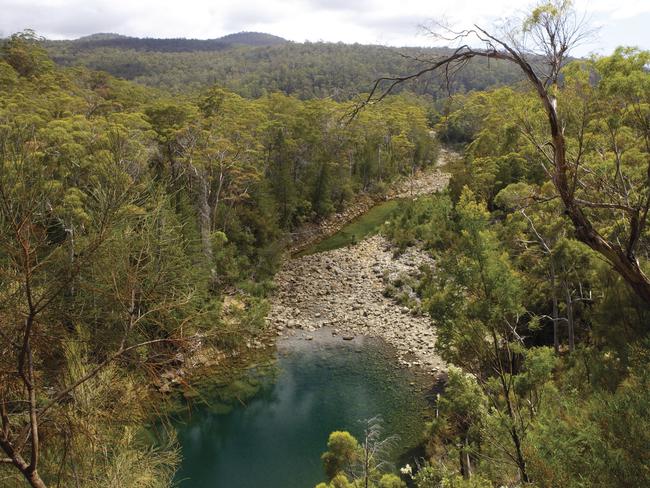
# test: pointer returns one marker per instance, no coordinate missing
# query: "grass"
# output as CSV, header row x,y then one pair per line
x,y
363,226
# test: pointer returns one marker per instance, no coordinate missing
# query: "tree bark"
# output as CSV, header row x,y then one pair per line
x,y
556,313
569,316
30,473
465,464
205,222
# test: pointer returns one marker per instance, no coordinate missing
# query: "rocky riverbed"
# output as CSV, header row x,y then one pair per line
x,y
343,290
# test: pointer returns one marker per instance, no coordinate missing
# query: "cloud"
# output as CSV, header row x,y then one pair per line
x,y
621,9
339,5
242,17
364,21
70,20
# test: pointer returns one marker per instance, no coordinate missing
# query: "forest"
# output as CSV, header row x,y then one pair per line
x,y
129,214
150,191
253,65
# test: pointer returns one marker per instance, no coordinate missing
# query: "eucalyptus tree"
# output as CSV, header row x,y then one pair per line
x,y
59,234
477,301
540,46
93,276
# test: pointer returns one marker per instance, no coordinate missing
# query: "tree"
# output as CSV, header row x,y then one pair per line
x,y
374,450
84,255
23,51
539,46
566,267
476,302
391,481
342,452
364,463
460,416
595,437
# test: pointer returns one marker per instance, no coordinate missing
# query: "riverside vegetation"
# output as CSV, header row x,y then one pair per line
x,y
128,216
132,221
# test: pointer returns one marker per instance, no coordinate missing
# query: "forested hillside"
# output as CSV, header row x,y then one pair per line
x,y
149,192
545,334
117,41
265,65
126,215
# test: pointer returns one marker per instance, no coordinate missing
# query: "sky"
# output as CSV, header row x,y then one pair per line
x,y
385,22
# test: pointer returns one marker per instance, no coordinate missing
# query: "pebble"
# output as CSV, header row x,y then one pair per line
x,y
343,288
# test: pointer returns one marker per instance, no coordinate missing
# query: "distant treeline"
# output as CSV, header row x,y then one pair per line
x,y
252,64
171,45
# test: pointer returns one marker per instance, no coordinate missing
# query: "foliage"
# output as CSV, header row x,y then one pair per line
x,y
129,218
132,220
342,452
350,463
512,279
304,70
424,221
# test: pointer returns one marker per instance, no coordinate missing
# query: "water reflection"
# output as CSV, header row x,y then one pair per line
x,y
276,440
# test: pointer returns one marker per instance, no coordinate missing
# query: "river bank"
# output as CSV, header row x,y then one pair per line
x,y
423,182
340,289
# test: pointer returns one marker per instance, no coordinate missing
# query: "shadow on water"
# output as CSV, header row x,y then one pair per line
x,y
275,440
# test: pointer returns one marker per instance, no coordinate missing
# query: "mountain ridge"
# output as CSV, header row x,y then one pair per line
x,y
254,63
168,44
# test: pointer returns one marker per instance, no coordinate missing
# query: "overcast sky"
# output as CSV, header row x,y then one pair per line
x,y
387,22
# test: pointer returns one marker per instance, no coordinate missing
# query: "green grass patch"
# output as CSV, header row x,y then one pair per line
x,y
363,226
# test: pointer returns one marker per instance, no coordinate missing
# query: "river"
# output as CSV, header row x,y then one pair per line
x,y
275,439
341,358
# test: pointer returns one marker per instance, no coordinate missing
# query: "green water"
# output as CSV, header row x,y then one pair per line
x,y
275,440
363,226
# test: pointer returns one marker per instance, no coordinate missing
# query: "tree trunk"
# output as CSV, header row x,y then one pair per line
x,y
465,465
205,222
35,480
569,315
521,462
556,314
379,161
70,233
366,464
461,461
514,435
625,263
30,474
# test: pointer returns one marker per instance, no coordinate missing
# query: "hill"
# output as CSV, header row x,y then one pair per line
x,y
252,64
253,39
99,41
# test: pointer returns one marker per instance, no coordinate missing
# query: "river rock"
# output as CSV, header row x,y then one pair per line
x,y
343,288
